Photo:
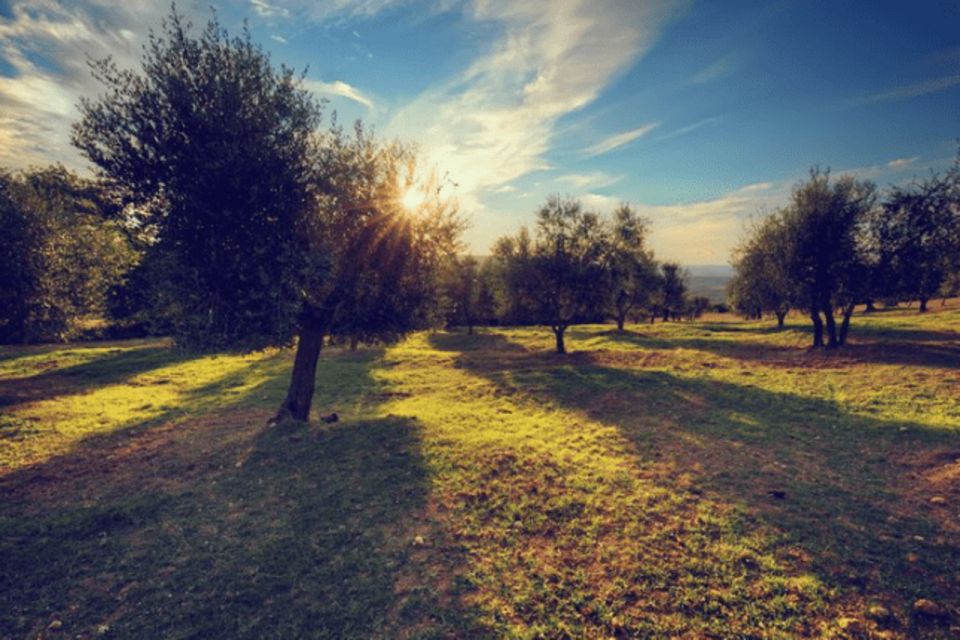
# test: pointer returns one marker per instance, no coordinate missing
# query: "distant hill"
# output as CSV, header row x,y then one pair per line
x,y
710,280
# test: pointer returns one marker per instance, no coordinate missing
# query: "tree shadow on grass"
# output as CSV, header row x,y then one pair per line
x,y
112,367
219,527
940,349
842,488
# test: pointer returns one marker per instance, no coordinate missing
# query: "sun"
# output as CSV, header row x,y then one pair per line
x,y
412,198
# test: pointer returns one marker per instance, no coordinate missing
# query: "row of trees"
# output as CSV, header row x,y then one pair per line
x,y
839,243
576,266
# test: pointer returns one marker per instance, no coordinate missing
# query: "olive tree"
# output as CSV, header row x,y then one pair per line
x,y
826,257
560,274
271,231
761,282
632,268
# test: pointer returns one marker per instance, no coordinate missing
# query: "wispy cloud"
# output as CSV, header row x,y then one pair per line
x,y
279,39
690,128
900,163
618,140
495,121
592,180
923,88
268,10
339,88
38,99
715,70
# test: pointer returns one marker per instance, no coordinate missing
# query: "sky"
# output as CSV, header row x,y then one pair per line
x,y
701,114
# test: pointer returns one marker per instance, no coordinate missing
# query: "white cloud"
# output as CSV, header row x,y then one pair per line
x,y
756,186
268,10
339,88
38,100
925,87
594,180
618,140
682,131
279,39
717,69
899,163
494,122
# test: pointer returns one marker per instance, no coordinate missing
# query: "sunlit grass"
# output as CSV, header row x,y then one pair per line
x,y
711,479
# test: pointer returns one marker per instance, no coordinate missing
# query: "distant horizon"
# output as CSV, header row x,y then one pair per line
x,y
701,115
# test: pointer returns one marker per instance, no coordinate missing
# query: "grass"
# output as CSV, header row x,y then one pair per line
x,y
711,479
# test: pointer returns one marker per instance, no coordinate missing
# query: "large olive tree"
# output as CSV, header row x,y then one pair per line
x,y
270,230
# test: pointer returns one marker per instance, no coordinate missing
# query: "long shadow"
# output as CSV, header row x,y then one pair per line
x,y
232,530
928,348
112,367
833,483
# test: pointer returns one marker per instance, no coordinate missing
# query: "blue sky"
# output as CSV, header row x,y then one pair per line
x,y
701,114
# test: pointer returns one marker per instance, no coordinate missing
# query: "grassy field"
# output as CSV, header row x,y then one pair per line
x,y
712,479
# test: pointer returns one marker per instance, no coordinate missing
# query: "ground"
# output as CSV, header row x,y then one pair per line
x,y
710,479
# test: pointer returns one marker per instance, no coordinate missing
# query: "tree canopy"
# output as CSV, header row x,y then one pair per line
x,y
270,228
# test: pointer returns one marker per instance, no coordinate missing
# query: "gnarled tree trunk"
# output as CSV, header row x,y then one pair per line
x,y
845,324
831,326
304,376
817,328
558,334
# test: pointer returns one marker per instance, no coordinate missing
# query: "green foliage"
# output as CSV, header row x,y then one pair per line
x,y
58,254
918,237
469,291
208,149
384,260
634,279
761,282
672,298
562,276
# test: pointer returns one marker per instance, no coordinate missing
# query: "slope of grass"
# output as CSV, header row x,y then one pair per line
x,y
712,479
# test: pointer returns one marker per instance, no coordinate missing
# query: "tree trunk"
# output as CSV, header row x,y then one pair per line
x,y
621,320
653,318
469,328
354,343
781,315
923,305
870,307
831,326
558,333
845,325
304,376
817,328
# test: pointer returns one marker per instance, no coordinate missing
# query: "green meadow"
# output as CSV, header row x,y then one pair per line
x,y
706,479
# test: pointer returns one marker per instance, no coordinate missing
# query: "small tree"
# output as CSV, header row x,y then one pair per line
x,y
761,282
562,275
469,293
826,255
920,227
673,292
697,306
632,269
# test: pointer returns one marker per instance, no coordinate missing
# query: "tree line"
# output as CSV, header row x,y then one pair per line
x,y
840,243
576,266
